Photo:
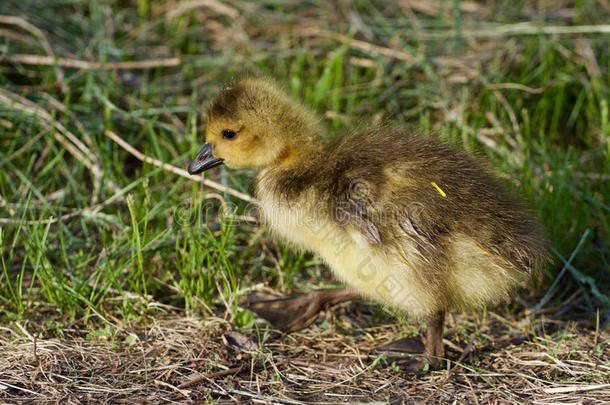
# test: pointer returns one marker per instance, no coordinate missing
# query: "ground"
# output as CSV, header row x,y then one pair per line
x,y
193,360
122,277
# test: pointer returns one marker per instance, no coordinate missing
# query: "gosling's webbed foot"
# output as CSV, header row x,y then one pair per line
x,y
297,311
406,345
417,364
401,352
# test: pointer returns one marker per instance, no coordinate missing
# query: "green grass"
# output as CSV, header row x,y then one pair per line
x,y
144,241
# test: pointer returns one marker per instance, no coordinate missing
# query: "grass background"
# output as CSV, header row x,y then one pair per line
x,y
92,238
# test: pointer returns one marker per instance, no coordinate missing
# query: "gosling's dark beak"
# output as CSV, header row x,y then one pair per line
x,y
204,160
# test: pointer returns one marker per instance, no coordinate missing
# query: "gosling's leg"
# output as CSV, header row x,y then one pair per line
x,y
434,347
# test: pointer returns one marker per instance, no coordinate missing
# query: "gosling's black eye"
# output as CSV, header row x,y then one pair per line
x,y
228,134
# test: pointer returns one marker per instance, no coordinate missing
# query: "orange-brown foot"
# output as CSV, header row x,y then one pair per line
x,y
294,312
427,355
401,346
418,363
408,354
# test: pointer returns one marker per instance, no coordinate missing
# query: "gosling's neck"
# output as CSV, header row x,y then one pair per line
x,y
297,165
304,138
298,155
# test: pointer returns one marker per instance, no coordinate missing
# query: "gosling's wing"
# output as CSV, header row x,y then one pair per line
x,y
387,223
357,211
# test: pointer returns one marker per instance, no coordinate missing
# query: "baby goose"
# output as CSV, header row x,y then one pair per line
x,y
405,220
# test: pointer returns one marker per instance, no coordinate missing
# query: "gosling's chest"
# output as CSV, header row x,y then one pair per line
x,y
304,223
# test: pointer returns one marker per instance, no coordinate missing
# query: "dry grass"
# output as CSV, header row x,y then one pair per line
x,y
191,360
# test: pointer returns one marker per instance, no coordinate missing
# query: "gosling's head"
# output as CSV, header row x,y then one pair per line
x,y
253,123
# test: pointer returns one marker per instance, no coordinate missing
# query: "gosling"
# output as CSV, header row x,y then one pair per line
x,y
403,219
